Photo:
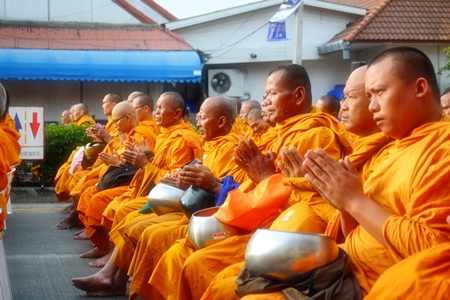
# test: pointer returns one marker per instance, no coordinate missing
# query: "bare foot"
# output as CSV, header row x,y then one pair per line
x,y
81,235
94,282
101,262
69,208
69,222
94,253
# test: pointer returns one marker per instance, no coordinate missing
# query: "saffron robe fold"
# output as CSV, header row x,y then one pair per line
x,y
4,169
421,276
176,275
9,137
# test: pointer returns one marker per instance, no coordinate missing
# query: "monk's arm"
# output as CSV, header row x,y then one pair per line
x,y
341,186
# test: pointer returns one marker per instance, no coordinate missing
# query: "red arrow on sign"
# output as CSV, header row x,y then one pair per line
x,y
35,125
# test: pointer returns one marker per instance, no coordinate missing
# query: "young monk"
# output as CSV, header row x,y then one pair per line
x,y
329,104
289,103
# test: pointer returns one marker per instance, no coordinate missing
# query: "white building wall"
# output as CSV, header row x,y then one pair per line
x,y
233,39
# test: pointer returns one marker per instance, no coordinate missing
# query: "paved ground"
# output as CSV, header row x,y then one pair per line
x,y
41,258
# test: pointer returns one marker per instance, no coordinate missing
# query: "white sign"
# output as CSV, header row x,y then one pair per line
x,y
30,124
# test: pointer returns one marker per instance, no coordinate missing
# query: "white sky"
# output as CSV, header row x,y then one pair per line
x,y
188,8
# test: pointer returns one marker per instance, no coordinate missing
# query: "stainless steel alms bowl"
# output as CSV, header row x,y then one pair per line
x,y
286,255
164,199
204,229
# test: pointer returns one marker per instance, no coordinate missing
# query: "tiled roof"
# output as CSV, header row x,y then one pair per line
x,y
398,21
76,36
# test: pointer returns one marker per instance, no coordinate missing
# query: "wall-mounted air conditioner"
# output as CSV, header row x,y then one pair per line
x,y
225,82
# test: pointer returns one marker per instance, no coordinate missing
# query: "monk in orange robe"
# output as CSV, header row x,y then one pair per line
x,y
257,124
246,107
289,105
421,276
69,188
127,125
9,138
79,115
367,154
402,207
175,146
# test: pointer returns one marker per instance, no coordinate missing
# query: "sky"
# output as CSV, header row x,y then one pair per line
x,y
188,8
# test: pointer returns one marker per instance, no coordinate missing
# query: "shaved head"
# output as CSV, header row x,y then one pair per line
x,y
330,104
256,122
237,103
216,117
144,99
134,95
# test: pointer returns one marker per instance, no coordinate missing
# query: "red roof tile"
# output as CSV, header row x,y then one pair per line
x,y
399,21
43,35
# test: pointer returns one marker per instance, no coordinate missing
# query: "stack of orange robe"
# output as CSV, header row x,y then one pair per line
x,y
175,146
174,274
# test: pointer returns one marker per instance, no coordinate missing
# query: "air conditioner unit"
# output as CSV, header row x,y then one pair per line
x,y
225,82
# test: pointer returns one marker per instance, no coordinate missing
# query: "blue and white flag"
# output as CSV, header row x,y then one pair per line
x,y
277,27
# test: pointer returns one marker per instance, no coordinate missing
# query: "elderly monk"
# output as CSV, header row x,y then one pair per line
x,y
126,121
421,276
177,145
257,124
367,154
184,272
216,117
65,117
395,216
445,102
79,115
329,104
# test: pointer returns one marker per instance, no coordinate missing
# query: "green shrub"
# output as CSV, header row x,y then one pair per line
x,y
59,142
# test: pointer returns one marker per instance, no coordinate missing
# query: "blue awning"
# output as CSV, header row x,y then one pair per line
x,y
92,65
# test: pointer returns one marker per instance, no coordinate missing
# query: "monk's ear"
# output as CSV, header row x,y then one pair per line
x,y
422,87
222,122
300,94
178,114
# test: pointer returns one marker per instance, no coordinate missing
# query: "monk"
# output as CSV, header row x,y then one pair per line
x,y
216,117
420,276
289,103
137,123
246,107
445,102
79,115
177,145
369,148
395,216
270,134
74,183
4,164
257,124
239,126
133,95
9,138
329,104
65,117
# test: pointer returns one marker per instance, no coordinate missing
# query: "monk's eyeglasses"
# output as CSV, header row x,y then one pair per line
x,y
140,106
116,121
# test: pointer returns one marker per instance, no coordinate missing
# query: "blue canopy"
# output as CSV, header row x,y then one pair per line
x,y
93,65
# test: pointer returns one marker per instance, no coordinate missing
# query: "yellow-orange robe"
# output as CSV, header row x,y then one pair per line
x,y
175,146
63,175
367,155
139,132
218,158
421,276
267,138
174,274
9,137
4,169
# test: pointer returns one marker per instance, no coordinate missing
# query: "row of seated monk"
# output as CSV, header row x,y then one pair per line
x,y
375,182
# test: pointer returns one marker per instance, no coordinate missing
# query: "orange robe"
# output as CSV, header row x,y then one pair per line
x,y
266,138
367,155
218,158
4,169
85,120
241,127
184,271
9,138
175,146
421,276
